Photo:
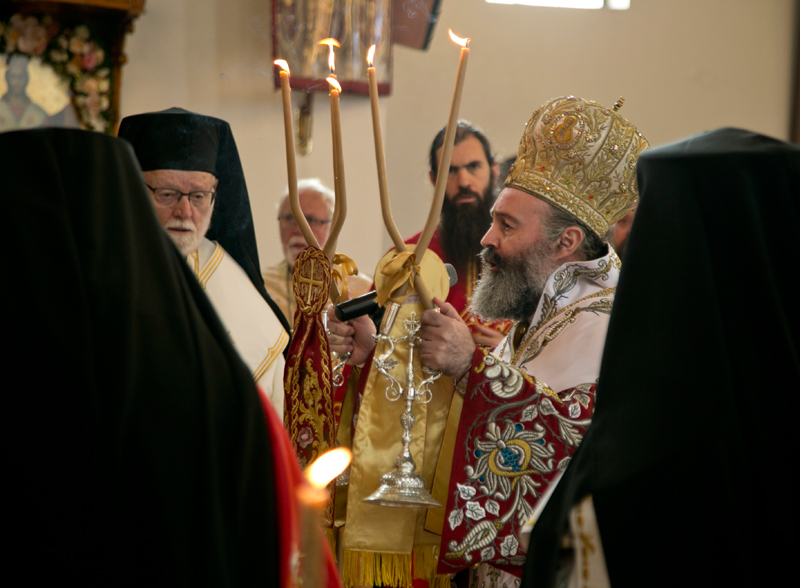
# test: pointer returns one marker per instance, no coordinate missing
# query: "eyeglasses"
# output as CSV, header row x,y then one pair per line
x,y
287,222
201,200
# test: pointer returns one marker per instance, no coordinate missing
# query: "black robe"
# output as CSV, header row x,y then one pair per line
x,y
136,450
690,455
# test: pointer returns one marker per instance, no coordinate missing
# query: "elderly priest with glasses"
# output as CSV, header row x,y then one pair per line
x,y
316,202
194,176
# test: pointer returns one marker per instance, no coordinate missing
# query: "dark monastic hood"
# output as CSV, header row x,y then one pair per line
x,y
689,455
183,140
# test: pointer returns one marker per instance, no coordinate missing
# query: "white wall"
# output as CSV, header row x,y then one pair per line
x,y
683,66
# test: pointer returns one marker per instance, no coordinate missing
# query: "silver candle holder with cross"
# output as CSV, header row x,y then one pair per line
x,y
402,486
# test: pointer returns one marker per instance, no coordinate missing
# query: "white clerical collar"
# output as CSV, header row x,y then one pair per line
x,y
574,280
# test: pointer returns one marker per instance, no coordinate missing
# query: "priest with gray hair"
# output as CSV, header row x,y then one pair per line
x,y
316,202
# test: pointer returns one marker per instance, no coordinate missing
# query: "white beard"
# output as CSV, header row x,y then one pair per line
x,y
191,239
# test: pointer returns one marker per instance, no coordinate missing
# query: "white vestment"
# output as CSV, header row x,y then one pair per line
x,y
255,331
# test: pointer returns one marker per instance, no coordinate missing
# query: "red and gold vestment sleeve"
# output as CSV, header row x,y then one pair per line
x,y
515,434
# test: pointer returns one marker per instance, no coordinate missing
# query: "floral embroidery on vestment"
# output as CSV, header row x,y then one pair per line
x,y
522,434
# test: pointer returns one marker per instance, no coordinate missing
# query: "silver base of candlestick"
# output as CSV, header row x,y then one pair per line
x,y
402,490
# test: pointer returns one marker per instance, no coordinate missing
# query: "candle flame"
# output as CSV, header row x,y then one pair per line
x,y
334,84
458,40
370,55
327,466
331,43
281,63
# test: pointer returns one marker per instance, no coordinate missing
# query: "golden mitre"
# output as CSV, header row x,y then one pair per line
x,y
580,157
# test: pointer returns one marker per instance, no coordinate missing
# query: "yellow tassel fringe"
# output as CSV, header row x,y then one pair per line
x,y
367,568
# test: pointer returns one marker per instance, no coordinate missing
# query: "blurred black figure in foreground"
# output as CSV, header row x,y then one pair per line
x,y
684,475
136,447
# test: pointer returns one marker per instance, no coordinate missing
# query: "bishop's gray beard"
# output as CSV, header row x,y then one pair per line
x,y
513,289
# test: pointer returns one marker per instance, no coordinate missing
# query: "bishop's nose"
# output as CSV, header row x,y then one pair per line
x,y
490,238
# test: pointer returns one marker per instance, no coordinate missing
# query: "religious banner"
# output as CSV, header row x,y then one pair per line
x,y
308,404
298,26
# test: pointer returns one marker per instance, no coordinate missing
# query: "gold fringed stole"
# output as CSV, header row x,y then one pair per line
x,y
364,568
388,536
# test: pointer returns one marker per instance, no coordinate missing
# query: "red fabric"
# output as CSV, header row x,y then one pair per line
x,y
308,392
514,436
290,478
308,400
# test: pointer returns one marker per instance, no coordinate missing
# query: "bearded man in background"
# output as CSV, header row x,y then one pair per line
x,y
465,218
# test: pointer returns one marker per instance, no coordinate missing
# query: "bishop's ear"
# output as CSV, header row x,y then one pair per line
x,y
568,243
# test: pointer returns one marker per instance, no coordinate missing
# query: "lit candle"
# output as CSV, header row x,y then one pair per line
x,y
340,208
386,209
338,169
312,499
291,164
447,150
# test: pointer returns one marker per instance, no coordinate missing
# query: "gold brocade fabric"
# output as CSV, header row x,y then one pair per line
x,y
308,410
580,157
374,530
434,519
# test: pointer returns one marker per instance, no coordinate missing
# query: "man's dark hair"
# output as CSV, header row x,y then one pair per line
x,y
592,246
465,129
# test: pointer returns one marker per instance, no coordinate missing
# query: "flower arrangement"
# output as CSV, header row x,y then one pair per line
x,y
73,53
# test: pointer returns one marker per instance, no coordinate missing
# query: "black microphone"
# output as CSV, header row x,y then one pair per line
x,y
365,304
350,309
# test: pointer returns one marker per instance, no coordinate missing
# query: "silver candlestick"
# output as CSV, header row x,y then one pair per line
x,y
340,358
402,487
341,361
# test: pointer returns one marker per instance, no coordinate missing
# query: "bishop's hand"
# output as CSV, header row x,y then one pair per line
x,y
354,336
487,336
447,343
